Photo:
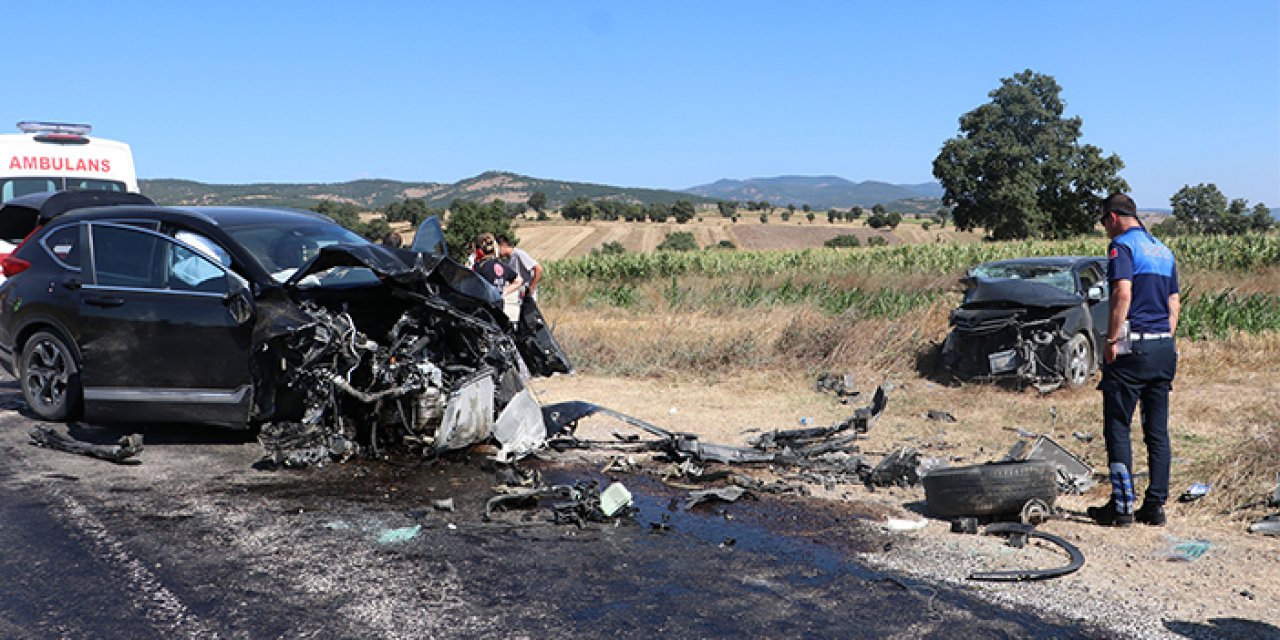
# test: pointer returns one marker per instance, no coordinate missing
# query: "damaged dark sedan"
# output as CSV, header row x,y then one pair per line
x,y
119,310
1037,321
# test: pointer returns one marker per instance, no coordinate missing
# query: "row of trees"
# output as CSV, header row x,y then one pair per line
x,y
1204,209
584,210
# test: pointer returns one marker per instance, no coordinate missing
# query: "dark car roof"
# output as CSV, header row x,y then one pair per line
x,y
226,217
24,213
1048,261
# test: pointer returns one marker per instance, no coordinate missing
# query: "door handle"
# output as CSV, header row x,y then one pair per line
x,y
72,283
104,301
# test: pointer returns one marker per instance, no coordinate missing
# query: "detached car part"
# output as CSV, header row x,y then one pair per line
x,y
992,489
1022,575
123,450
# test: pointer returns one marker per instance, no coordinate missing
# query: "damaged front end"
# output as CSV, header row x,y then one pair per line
x,y
423,359
1013,331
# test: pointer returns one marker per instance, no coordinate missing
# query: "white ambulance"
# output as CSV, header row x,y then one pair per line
x,y
56,156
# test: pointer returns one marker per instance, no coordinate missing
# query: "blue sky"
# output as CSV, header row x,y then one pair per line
x,y
643,94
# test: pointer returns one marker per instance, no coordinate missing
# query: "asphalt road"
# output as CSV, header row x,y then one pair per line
x,y
196,540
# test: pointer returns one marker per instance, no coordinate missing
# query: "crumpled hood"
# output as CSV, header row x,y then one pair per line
x,y
1020,292
402,266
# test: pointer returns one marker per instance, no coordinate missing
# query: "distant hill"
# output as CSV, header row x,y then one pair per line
x,y
373,194
824,192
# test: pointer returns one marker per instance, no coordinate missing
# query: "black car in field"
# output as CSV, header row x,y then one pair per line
x,y
231,315
1039,321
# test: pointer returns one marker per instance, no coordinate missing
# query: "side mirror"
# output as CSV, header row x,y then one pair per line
x,y
238,299
1096,294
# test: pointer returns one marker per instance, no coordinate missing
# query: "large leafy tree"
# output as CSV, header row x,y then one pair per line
x,y
467,219
1017,168
1204,209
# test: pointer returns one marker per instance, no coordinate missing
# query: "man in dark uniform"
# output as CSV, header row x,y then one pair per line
x,y
1138,368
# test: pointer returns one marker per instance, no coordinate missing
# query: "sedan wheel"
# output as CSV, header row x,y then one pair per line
x,y
49,376
1078,357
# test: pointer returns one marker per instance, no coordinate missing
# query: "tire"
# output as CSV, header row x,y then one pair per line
x,y
50,377
999,488
1077,361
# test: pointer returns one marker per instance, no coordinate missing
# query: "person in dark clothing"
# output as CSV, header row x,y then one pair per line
x,y
1141,361
505,279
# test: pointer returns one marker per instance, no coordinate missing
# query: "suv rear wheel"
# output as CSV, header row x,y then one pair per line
x,y
50,377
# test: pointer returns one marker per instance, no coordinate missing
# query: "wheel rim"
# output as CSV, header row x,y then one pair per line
x,y
1078,365
47,375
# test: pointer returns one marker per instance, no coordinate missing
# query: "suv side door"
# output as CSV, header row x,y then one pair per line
x,y
165,332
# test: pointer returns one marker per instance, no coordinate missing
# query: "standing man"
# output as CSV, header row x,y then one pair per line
x,y
521,262
1144,293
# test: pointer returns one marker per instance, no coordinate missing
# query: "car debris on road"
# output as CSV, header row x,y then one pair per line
x,y
122,452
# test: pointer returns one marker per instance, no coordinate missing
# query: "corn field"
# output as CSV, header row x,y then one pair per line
x,y
827,279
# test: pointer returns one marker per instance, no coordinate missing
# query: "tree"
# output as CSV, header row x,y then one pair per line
x,y
579,209
343,213
411,210
1261,221
843,240
855,213
1017,168
682,211
658,212
537,201
786,215
678,241
727,209
806,208
832,215
467,219
810,216
893,220
879,209
611,248
791,210
764,218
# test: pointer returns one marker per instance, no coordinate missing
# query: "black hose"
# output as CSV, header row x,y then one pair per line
x,y
1020,575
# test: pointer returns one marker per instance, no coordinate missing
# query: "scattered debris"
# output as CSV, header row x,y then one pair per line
x,y
1019,533
725,494
404,534
445,504
574,504
964,525
1195,492
125,448
840,384
1268,526
1082,436
1074,476
1186,550
614,499
902,524
896,469
940,416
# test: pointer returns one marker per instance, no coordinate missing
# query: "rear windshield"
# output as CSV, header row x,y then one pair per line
x,y
283,250
11,188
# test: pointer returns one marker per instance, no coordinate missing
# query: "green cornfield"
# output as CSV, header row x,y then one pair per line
x,y
827,278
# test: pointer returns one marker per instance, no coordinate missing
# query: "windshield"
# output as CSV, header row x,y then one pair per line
x,y
1055,276
11,188
283,250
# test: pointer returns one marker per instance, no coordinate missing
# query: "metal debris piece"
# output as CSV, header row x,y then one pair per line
x,y
939,415
1268,526
1082,436
1074,476
1196,491
967,524
445,504
1020,575
898,468
575,504
903,524
727,494
404,534
840,384
120,452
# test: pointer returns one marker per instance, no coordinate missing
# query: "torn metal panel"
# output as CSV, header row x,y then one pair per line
x,y
520,428
723,494
122,451
1074,476
468,416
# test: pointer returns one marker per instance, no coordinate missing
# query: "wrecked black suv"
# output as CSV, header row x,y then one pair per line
x,y
269,317
1038,321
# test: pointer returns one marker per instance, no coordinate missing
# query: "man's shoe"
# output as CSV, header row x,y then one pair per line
x,y
1107,516
1150,514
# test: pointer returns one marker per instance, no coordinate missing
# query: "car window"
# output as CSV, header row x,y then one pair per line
x,y
130,257
125,257
64,245
192,271
1055,276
